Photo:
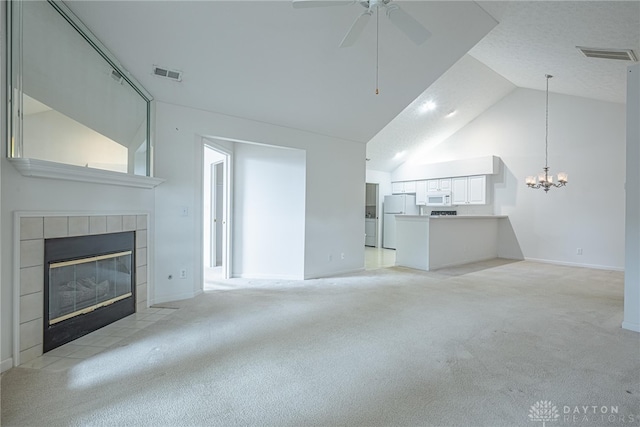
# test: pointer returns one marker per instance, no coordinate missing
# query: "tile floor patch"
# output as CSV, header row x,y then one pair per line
x,y
73,353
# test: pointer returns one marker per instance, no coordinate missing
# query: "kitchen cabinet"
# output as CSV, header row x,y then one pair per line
x,y
469,190
403,187
421,193
439,185
459,240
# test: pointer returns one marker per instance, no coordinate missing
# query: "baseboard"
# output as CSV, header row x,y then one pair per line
x,y
575,264
6,364
333,273
635,327
267,276
174,297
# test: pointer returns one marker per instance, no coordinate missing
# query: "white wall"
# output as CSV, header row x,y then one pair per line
x,y
383,179
269,201
632,245
586,140
334,203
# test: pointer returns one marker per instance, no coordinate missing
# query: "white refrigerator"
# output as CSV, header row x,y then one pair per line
x,y
397,204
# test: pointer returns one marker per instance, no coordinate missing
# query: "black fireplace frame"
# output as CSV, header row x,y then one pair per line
x,y
74,248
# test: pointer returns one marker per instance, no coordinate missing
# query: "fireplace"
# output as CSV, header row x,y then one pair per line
x,y
89,282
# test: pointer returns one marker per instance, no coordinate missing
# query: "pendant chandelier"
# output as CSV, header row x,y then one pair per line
x,y
544,180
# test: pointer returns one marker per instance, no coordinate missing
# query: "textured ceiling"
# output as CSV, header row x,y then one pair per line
x,y
266,61
532,39
538,38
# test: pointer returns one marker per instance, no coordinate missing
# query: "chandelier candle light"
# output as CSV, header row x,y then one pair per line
x,y
544,180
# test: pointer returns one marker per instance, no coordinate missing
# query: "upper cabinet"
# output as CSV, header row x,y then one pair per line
x,y
439,185
403,187
421,192
469,190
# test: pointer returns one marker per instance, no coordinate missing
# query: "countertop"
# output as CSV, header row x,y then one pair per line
x,y
450,216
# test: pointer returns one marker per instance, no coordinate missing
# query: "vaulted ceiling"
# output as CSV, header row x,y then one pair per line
x,y
266,61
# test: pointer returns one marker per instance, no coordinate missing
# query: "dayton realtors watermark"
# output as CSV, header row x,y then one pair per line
x,y
596,414
547,412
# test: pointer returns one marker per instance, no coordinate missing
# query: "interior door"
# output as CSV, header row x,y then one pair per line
x,y
218,212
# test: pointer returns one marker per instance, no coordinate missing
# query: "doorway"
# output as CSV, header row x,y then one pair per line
x,y
371,213
216,208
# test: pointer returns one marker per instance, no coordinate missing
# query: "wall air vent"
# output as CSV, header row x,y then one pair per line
x,y
604,53
167,73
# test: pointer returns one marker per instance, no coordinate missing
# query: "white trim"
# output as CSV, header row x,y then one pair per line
x,y
635,327
174,297
43,169
6,364
32,214
227,203
575,264
267,277
16,288
333,274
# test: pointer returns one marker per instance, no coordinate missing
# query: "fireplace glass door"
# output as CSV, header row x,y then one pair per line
x,y
81,286
89,282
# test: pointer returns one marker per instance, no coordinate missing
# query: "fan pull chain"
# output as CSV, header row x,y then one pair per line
x,y
377,47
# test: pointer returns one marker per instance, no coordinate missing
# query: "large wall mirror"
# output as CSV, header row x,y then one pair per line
x,y
71,101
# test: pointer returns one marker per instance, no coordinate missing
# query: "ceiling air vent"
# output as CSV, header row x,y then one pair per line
x,y
167,73
604,53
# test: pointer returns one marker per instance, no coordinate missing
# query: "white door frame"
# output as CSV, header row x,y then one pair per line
x,y
227,235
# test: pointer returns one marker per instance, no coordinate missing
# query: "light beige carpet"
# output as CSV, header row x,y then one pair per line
x,y
472,346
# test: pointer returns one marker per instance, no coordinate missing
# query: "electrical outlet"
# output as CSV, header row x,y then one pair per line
x,y
330,257
342,255
183,273
579,251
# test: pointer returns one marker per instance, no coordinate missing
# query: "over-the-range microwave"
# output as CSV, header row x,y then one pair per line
x,y
439,199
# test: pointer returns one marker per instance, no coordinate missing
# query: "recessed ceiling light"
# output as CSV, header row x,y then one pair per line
x,y
399,154
451,113
428,106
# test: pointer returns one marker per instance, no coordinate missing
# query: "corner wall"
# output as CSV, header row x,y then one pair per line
x,y
632,245
269,200
586,140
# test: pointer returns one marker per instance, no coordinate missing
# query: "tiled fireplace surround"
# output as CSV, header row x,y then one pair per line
x,y
32,230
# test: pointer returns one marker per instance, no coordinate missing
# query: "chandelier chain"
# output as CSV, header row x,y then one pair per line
x,y
546,130
377,47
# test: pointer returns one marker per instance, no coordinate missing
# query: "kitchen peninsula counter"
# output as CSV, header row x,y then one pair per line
x,y
430,242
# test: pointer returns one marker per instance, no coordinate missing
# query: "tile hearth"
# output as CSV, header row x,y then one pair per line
x,y
69,355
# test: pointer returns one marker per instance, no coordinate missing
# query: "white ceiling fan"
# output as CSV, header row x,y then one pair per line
x,y
401,19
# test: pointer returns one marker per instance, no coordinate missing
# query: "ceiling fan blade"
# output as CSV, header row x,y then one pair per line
x,y
356,29
303,4
407,24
